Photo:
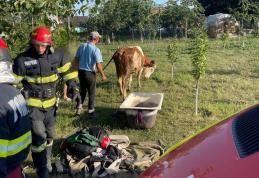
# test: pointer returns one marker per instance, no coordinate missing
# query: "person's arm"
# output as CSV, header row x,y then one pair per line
x,y
19,69
99,66
100,69
75,63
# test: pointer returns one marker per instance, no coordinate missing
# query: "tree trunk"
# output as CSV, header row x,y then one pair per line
x,y
141,36
196,97
113,37
132,33
68,23
186,28
160,34
108,41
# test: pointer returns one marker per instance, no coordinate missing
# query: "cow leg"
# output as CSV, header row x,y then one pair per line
x,y
124,88
139,76
125,83
122,85
120,82
130,81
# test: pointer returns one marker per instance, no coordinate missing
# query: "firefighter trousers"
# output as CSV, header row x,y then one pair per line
x,y
43,132
43,125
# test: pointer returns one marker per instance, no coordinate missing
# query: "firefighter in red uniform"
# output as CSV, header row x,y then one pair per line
x,y
15,129
39,69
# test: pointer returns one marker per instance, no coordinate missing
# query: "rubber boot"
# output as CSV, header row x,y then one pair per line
x,y
49,153
40,163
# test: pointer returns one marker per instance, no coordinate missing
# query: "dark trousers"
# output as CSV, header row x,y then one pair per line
x,y
87,85
43,125
43,129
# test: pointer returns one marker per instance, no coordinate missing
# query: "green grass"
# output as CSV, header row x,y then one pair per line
x,y
231,83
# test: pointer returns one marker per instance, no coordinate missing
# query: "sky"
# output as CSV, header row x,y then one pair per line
x,y
160,1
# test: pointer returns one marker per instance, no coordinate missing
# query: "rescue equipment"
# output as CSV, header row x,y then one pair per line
x,y
85,141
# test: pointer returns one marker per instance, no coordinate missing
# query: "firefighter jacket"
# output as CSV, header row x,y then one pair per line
x,y
39,75
15,134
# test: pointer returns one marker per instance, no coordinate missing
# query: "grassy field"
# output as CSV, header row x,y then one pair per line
x,y
231,83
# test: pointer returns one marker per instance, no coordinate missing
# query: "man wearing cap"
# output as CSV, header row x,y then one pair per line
x,y
15,128
89,60
39,69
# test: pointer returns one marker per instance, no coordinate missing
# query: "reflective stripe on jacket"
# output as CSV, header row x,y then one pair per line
x,y
41,103
12,147
15,129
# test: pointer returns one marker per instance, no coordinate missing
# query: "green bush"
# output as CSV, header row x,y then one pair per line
x,y
60,37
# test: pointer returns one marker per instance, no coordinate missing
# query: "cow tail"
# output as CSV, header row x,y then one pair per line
x,y
108,62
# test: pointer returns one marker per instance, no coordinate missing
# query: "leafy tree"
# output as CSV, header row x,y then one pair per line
x,y
199,47
189,13
172,54
193,14
170,16
110,16
141,11
247,11
151,26
18,17
114,16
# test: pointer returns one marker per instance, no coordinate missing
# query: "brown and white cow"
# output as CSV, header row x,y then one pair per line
x,y
129,60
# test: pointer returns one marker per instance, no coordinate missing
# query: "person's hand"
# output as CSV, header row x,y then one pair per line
x,y
104,77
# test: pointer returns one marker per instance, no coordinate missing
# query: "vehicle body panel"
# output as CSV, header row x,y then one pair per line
x,y
211,154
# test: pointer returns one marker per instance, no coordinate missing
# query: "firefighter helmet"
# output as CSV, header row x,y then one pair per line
x,y
41,36
4,53
6,74
3,44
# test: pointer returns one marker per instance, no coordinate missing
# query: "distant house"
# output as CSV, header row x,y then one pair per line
x,y
219,23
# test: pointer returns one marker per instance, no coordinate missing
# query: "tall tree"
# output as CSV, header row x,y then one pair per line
x,y
199,47
115,15
193,14
141,12
17,17
247,11
110,17
172,55
180,16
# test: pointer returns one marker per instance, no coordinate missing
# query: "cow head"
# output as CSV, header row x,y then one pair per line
x,y
148,69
